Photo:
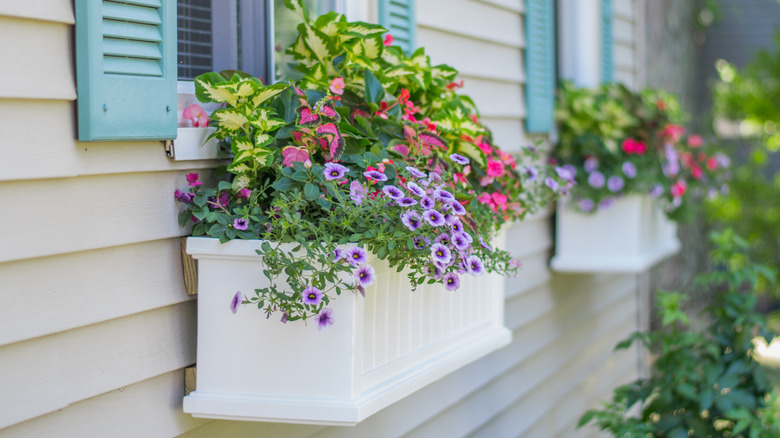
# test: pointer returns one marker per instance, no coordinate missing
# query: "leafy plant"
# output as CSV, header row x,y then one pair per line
x,y
370,151
615,142
703,384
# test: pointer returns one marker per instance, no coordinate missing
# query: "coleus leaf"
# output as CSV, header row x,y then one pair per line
x,y
229,118
293,154
305,116
267,92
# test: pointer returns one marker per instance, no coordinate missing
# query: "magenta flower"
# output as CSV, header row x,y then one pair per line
x,y
416,172
427,203
406,201
192,178
357,192
443,196
460,159
393,192
184,197
374,175
474,265
415,189
434,218
365,275
311,295
596,179
325,318
238,298
412,220
615,183
451,281
356,255
334,171
244,193
240,224
440,253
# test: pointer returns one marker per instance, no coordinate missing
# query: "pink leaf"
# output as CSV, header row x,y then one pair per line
x,y
294,154
329,128
329,112
401,149
306,116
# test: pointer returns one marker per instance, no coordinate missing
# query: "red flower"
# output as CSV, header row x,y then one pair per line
x,y
678,189
389,39
696,172
454,85
712,163
631,146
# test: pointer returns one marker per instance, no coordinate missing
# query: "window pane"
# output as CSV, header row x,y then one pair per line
x,y
195,38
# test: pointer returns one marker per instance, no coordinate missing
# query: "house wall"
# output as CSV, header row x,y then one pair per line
x,y
95,326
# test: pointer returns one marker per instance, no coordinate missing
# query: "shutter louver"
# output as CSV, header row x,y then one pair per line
x,y
539,65
126,69
607,65
398,17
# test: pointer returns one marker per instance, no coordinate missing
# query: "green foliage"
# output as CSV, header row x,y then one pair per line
x,y
636,140
706,383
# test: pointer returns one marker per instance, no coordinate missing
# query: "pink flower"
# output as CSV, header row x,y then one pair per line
x,y
485,148
244,193
484,198
389,39
696,172
712,163
197,115
672,132
337,86
678,189
631,146
192,178
498,198
495,168
695,141
292,154
506,158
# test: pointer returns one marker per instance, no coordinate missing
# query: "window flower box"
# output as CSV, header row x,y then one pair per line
x,y
380,348
630,236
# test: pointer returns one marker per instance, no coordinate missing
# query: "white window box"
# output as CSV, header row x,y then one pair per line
x,y
380,348
630,236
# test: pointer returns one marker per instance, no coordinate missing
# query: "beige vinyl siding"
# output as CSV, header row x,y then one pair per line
x,y
95,327
624,48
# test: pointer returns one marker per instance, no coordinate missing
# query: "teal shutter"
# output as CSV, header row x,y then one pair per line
x,y
539,65
607,64
126,69
399,18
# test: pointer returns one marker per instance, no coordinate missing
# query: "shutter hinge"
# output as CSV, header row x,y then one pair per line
x,y
169,148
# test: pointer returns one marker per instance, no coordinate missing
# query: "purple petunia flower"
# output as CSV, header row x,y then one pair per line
x,y
591,164
456,225
311,295
434,271
443,196
416,172
460,241
484,244
629,169
657,190
551,183
586,204
458,208
393,192
334,171
434,218
338,254
460,159
722,160
440,253
415,189
451,281
240,224
566,172
427,203
606,203
531,173
474,266
434,177
596,179
356,255
412,220
184,197
467,236
365,275
374,175
357,192
443,238
421,242
615,183
406,201
238,298
325,318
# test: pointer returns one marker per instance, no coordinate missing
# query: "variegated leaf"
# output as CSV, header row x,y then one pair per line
x,y
297,7
230,119
238,168
316,42
267,93
242,144
393,55
365,29
240,182
299,49
372,47
263,140
218,93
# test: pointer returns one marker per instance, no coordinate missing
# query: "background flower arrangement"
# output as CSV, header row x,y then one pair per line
x,y
616,142
370,152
